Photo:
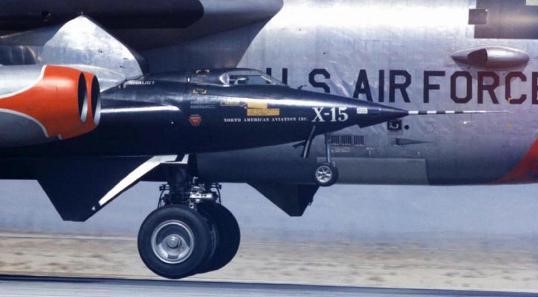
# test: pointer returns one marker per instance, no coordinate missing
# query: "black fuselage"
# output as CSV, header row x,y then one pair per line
x,y
162,117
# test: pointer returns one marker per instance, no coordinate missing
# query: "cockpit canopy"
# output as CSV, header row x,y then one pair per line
x,y
218,77
233,77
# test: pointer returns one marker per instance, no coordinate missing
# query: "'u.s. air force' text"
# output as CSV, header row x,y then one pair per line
x,y
480,87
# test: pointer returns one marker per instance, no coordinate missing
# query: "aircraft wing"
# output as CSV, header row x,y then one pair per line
x,y
106,37
80,187
141,24
20,15
80,43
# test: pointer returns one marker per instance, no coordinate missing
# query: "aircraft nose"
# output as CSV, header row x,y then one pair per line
x,y
372,114
349,111
383,111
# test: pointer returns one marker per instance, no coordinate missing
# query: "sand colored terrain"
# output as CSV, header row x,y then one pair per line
x,y
452,265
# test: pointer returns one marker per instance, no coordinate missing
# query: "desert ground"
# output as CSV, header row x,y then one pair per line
x,y
461,264
482,238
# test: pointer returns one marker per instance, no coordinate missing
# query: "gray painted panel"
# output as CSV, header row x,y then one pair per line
x,y
17,78
16,130
381,171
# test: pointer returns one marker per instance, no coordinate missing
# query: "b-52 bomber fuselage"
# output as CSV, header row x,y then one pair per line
x,y
88,113
172,115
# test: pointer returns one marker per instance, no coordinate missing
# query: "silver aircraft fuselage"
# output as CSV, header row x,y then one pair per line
x,y
404,54
413,55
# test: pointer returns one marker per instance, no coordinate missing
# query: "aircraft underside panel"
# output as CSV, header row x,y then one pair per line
x,y
381,171
266,166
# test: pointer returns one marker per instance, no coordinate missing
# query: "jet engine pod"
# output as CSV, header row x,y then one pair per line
x,y
94,98
40,104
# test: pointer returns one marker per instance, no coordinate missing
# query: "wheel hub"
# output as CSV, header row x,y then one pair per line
x,y
173,242
324,174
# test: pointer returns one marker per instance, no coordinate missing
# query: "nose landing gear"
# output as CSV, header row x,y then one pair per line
x,y
190,232
326,173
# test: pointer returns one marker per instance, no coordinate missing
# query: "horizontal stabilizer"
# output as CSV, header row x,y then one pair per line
x,y
79,187
292,199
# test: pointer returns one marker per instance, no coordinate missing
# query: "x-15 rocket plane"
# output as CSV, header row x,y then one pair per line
x,y
209,110
229,109
254,110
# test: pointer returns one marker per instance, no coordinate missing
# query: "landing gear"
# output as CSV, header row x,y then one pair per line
x,y
228,236
174,241
326,173
190,232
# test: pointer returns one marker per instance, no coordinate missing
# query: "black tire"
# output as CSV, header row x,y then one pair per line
x,y
228,236
325,175
175,222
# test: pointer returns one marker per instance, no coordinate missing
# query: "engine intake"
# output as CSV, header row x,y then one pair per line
x,y
61,103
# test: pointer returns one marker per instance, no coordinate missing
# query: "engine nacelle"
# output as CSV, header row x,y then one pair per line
x,y
40,104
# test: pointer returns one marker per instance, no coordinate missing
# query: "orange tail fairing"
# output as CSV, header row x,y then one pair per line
x,y
526,171
64,101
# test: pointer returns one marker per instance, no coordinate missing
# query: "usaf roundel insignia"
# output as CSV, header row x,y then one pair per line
x,y
195,120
